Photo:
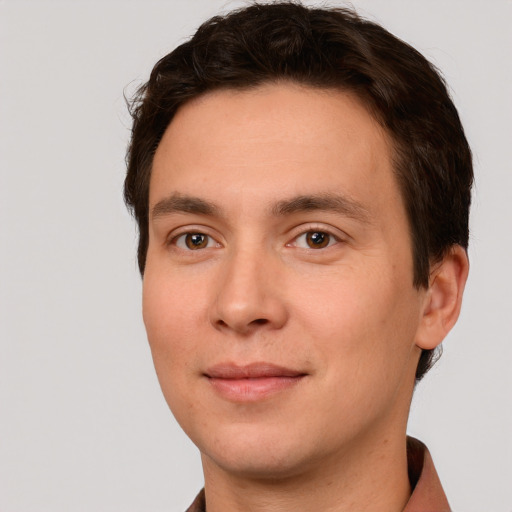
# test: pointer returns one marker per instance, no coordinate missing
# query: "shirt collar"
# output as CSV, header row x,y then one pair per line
x,y
427,492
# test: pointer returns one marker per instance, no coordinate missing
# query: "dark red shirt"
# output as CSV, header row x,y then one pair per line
x,y
427,492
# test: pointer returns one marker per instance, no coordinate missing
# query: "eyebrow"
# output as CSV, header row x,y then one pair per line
x,y
325,202
178,203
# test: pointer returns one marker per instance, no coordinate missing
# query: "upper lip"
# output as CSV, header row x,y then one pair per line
x,y
250,371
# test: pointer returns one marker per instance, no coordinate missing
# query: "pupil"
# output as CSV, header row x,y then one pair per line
x,y
318,239
196,240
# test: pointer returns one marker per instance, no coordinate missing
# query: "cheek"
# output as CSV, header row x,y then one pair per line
x,y
364,346
170,305
172,310
170,315
363,321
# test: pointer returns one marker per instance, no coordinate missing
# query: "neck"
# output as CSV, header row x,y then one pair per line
x,y
371,476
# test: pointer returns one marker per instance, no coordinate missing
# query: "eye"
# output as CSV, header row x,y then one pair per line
x,y
194,241
315,240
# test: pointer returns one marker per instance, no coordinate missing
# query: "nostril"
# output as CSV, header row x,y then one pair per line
x,y
242,326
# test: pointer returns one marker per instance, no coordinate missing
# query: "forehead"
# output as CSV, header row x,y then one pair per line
x,y
276,140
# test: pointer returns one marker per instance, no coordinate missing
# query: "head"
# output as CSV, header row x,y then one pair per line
x,y
301,182
325,50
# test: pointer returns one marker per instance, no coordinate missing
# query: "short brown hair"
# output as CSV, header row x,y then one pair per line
x,y
324,48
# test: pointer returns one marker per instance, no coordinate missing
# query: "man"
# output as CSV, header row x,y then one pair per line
x,y
301,182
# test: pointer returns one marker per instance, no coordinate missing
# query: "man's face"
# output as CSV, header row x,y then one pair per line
x,y
278,295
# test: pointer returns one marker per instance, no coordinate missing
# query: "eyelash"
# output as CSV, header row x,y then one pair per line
x,y
335,236
311,230
331,239
175,240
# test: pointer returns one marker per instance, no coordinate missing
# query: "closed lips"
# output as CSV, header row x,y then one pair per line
x,y
253,382
252,371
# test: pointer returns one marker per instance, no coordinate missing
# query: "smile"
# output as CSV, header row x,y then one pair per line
x,y
252,382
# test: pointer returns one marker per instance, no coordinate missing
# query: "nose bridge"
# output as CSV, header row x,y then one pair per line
x,y
248,295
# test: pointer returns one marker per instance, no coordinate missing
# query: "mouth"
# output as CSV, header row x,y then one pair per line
x,y
253,382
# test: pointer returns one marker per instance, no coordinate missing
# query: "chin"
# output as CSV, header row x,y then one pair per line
x,y
258,455
256,464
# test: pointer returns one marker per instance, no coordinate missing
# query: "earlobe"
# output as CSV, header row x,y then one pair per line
x,y
443,299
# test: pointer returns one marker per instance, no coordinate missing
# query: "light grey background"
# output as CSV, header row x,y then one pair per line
x,y
83,426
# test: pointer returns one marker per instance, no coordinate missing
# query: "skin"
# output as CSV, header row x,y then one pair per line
x,y
346,315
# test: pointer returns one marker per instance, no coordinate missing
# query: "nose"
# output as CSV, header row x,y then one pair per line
x,y
249,295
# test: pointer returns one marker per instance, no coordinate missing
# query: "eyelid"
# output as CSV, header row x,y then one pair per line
x,y
210,242
175,234
303,229
337,234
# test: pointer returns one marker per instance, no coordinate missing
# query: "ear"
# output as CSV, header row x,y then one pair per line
x,y
443,298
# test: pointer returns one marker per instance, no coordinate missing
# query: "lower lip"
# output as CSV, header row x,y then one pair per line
x,y
254,389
